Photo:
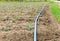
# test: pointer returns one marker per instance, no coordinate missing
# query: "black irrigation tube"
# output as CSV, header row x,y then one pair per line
x,y
36,21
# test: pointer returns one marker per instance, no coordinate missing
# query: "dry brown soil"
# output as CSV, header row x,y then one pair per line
x,y
47,29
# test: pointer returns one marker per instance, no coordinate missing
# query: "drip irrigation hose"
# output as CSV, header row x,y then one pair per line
x,y
35,24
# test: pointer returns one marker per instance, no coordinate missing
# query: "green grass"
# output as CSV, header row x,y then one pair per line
x,y
55,10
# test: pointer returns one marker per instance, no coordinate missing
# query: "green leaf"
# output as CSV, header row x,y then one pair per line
x,y
6,29
29,27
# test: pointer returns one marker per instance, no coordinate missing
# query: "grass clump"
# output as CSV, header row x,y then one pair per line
x,y
55,10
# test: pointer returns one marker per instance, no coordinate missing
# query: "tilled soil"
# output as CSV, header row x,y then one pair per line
x,y
47,29
17,21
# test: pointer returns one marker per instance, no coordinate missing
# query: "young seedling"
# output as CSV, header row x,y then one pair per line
x,y
17,17
14,20
29,20
6,29
29,27
8,17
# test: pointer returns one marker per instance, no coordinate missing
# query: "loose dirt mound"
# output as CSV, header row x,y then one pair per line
x,y
47,29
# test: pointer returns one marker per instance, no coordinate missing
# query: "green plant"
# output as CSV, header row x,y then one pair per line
x,y
29,20
29,27
15,19
8,16
6,28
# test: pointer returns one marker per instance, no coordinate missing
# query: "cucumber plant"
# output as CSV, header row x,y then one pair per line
x,y
29,27
6,29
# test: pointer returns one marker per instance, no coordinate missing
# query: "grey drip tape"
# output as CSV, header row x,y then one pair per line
x,y
35,24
